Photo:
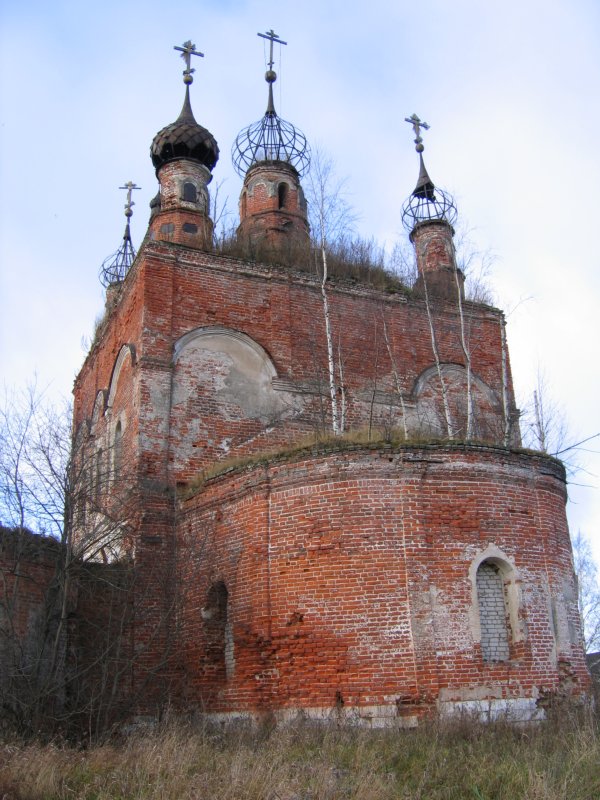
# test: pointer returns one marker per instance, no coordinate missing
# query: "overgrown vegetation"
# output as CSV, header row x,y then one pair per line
x,y
352,259
324,441
179,761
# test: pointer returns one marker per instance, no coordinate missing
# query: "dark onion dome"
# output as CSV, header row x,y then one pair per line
x,y
184,138
428,202
269,140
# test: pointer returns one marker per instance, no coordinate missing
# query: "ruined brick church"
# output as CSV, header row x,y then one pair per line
x,y
420,563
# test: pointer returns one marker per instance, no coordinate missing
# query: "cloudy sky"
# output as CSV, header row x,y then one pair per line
x,y
510,90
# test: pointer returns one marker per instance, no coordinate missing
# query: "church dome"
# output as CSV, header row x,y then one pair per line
x,y
184,138
271,140
427,203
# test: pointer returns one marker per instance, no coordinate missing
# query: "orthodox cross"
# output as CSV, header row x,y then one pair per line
x,y
417,125
187,51
128,205
272,37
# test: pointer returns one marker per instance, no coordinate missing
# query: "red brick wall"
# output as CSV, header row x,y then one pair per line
x,y
349,578
348,575
28,565
175,290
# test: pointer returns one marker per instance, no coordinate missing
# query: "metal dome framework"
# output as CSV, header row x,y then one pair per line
x,y
428,206
427,203
116,266
271,139
268,140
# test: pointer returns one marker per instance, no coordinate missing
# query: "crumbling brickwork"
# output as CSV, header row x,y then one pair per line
x,y
344,591
351,581
375,581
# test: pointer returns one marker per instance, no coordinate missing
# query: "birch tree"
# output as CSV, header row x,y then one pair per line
x,y
438,364
331,219
588,590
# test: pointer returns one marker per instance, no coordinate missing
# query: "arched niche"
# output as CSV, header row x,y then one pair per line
x,y
487,422
219,659
231,366
126,352
81,435
223,393
493,559
99,406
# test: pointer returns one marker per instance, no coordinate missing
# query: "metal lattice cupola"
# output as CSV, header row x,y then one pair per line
x,y
427,203
116,266
271,139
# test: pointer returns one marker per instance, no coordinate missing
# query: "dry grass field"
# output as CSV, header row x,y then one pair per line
x,y
557,760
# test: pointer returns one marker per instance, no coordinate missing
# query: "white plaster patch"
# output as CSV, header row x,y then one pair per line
x,y
512,709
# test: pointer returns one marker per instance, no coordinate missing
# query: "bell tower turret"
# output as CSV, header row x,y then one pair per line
x,y
271,155
184,154
429,215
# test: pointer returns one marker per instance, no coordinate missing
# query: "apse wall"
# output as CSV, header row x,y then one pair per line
x,y
360,581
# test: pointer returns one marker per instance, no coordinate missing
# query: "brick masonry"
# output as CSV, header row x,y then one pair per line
x,y
351,580
340,581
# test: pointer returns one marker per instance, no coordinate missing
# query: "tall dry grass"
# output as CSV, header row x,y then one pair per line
x,y
556,760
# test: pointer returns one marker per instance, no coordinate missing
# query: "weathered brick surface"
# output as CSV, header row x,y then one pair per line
x,y
179,290
272,206
350,579
28,568
341,580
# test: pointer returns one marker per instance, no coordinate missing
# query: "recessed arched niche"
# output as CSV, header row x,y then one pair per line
x,y
223,393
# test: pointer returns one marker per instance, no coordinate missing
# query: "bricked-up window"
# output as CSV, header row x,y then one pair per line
x,y
491,595
282,195
190,193
218,633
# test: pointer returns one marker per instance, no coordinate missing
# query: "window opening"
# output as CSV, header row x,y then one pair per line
x,y
282,195
118,451
491,597
190,193
98,476
219,634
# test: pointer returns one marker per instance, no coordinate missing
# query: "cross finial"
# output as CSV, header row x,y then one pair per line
x,y
272,37
129,204
417,125
187,51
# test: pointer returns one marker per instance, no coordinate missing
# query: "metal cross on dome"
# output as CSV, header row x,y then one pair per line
x,y
272,37
417,125
130,186
187,51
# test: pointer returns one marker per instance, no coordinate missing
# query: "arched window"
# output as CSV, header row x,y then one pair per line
x,y
244,208
493,613
190,193
282,194
219,636
98,473
118,451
